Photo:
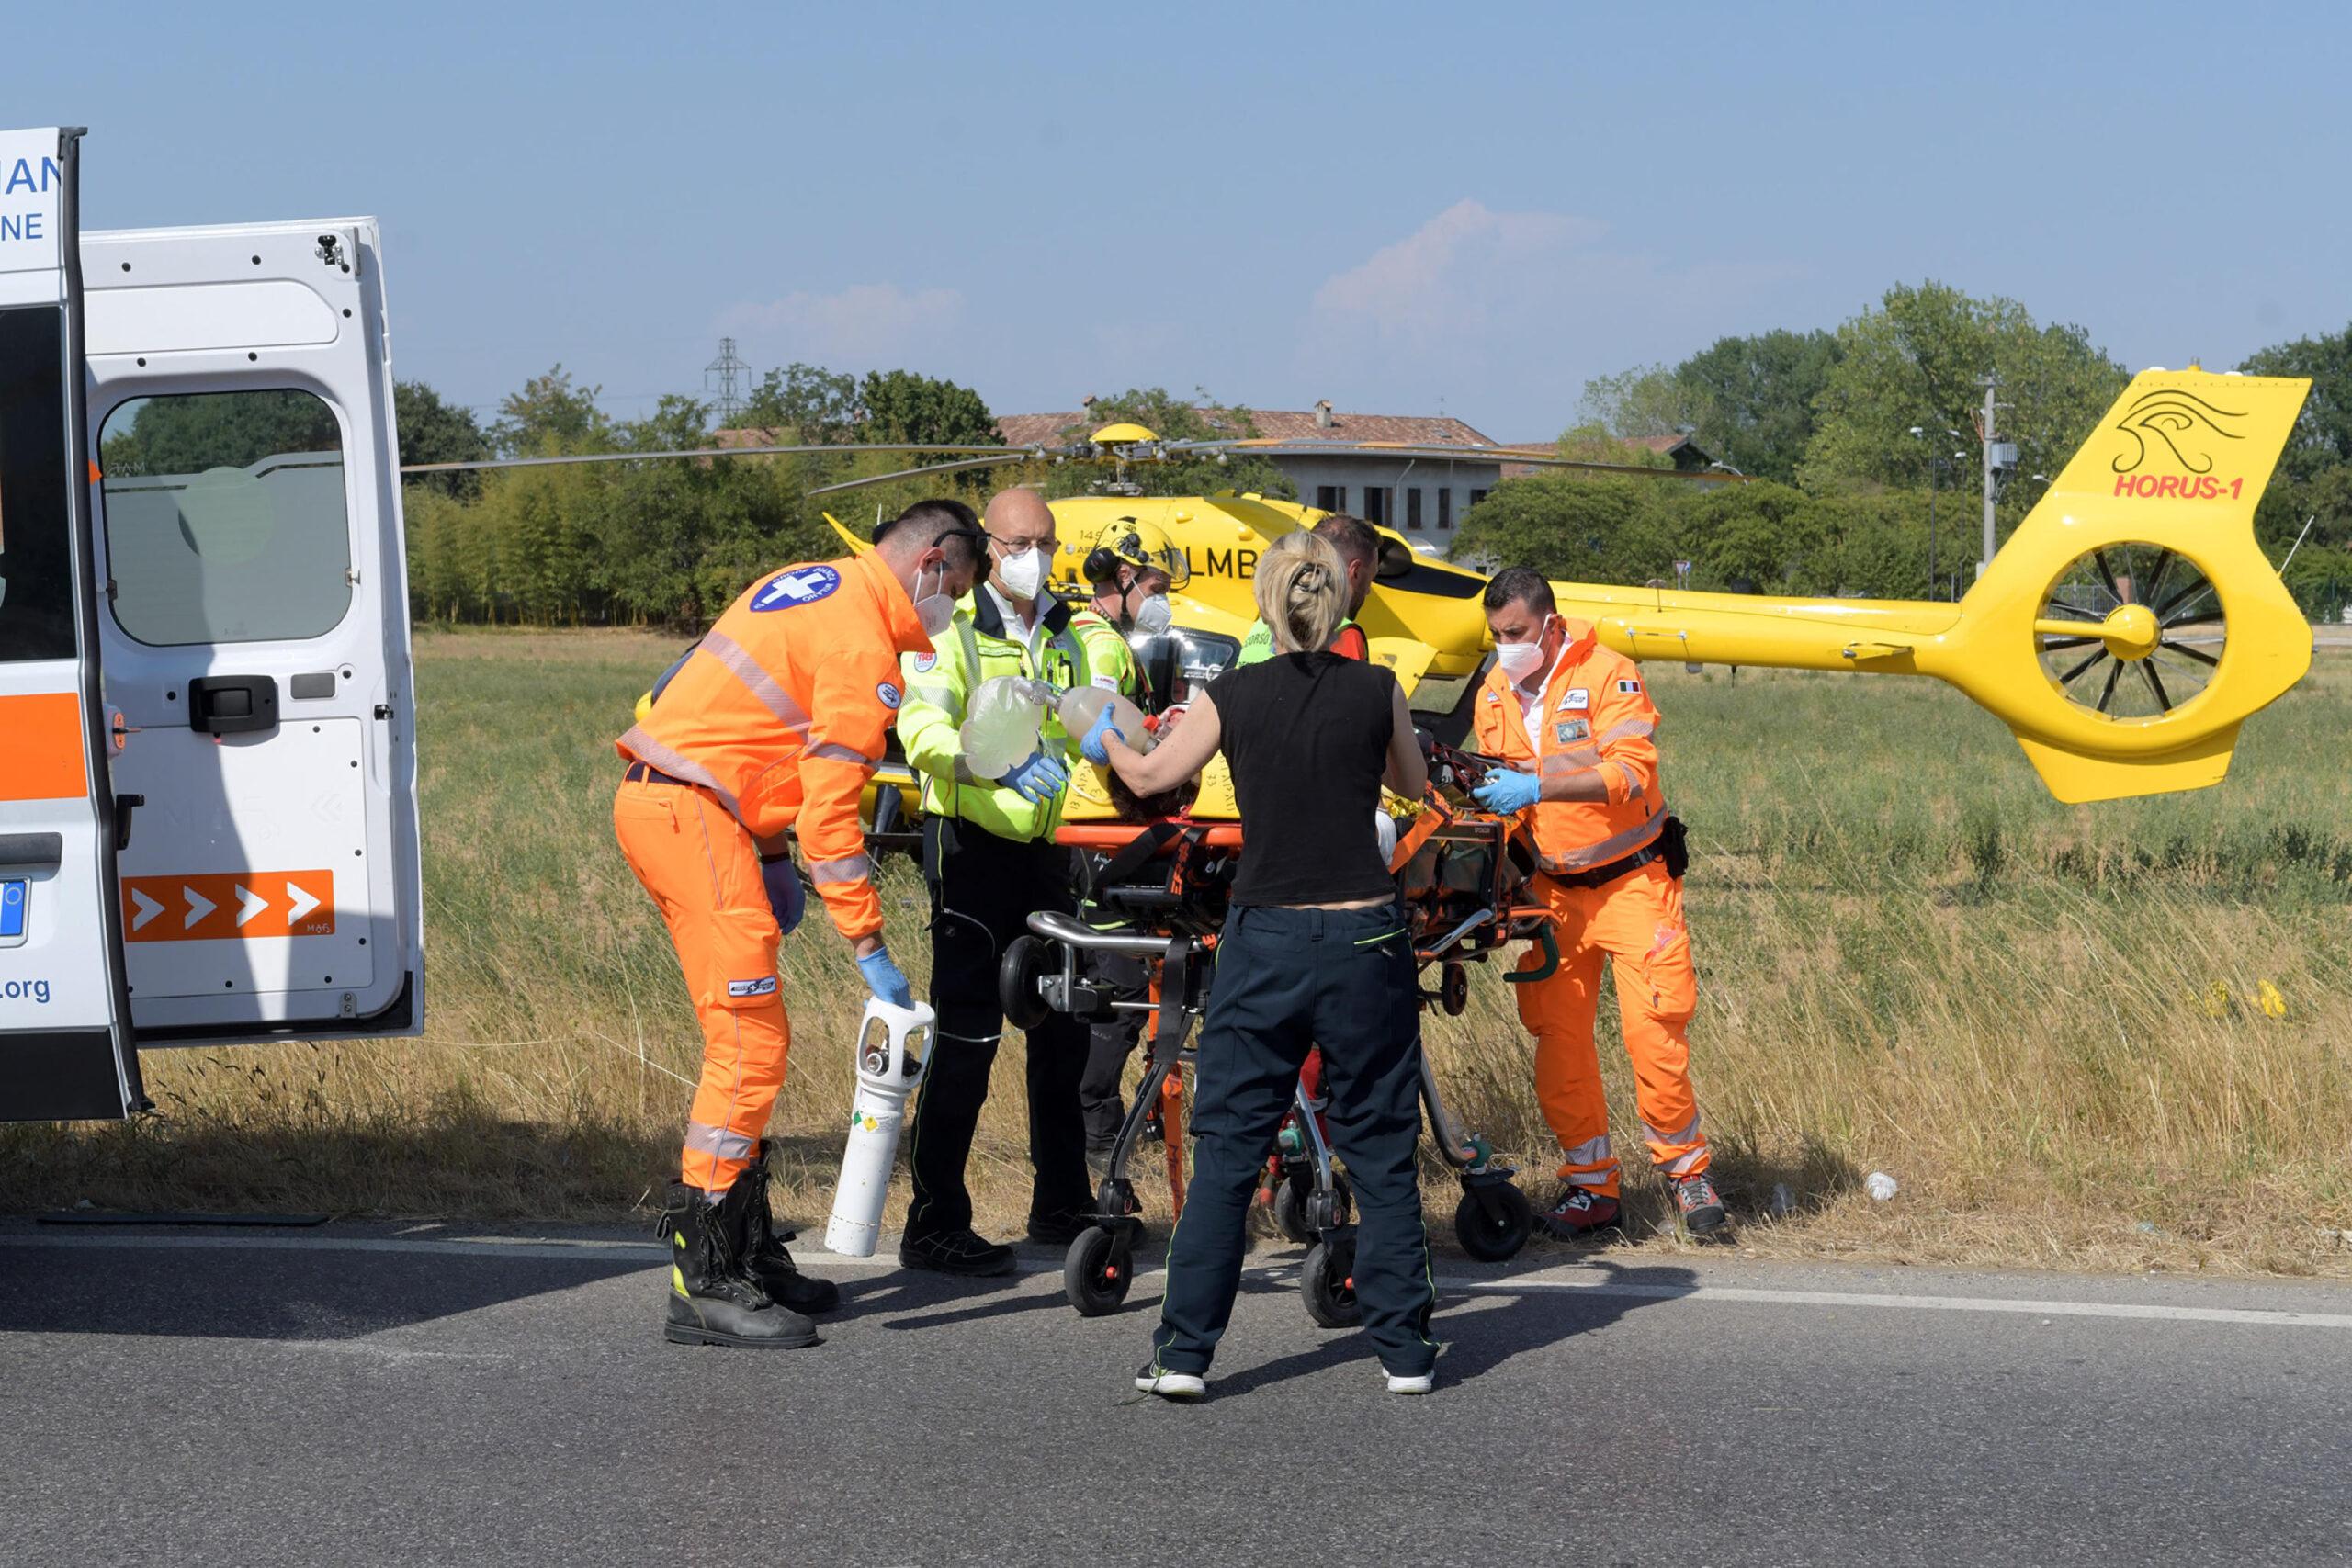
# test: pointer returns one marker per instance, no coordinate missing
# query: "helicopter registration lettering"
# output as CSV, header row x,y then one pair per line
x,y
2176,487
1235,562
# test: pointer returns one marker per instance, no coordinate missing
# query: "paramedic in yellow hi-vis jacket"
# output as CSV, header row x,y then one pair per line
x,y
1575,721
990,860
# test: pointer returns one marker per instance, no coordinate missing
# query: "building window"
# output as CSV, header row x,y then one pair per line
x,y
1445,508
1331,498
1479,495
1413,508
1375,504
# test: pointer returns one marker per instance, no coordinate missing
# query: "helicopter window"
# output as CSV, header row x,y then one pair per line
x,y
36,550
1180,664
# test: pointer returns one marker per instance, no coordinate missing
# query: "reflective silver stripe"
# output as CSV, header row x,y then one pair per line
x,y
756,680
1632,729
967,1039
719,1140
1681,1134
645,749
835,752
1592,1151
1682,1166
941,697
971,641
1594,1178
1575,759
849,868
1616,846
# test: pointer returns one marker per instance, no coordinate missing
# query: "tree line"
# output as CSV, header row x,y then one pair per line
x,y
1857,437
673,542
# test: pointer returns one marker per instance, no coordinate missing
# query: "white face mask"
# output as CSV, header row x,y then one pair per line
x,y
1155,615
1021,572
936,609
1518,661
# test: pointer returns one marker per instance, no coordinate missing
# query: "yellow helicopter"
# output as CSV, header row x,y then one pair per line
x,y
2123,633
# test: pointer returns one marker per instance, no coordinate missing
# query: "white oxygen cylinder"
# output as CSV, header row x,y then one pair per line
x,y
893,1043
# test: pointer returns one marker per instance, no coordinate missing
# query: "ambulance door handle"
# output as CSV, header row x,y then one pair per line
x,y
232,705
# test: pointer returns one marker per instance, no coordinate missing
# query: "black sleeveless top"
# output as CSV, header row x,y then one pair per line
x,y
1307,735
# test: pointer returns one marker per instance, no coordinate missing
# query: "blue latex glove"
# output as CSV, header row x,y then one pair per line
x,y
785,896
1039,779
884,978
1090,745
1509,791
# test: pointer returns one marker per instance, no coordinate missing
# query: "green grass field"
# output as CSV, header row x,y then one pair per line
x,y
2045,1022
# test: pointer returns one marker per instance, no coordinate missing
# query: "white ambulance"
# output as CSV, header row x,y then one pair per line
x,y
208,742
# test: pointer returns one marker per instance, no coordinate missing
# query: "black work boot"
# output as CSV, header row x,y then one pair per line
x,y
961,1252
714,1300
771,1264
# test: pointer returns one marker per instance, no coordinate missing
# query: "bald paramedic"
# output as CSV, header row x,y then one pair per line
x,y
1575,721
770,726
992,861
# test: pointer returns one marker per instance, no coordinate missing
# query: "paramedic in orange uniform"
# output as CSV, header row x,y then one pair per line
x,y
773,721
1575,723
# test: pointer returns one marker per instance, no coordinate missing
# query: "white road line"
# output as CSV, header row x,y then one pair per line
x,y
1567,1278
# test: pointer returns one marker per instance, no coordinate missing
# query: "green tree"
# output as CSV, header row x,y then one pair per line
x,y
433,431
550,417
1649,399
1591,443
816,405
2322,436
902,406
1577,527
191,433
1752,398
1916,361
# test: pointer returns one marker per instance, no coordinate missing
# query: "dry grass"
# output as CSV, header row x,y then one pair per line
x,y
1912,961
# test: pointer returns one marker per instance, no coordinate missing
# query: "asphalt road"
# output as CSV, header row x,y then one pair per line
x,y
355,1396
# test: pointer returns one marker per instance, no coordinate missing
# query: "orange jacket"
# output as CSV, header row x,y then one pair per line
x,y
1596,714
781,712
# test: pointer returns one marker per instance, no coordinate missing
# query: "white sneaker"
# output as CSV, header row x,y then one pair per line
x,y
1421,1383
1170,1385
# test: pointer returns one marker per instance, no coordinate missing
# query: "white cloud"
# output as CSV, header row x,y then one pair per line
x,y
1510,312
867,324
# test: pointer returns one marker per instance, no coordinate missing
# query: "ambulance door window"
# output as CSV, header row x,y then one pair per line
x,y
36,556
225,517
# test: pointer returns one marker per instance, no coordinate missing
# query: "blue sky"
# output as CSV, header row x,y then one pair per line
x,y
1393,206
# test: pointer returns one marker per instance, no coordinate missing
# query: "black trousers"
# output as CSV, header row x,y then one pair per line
x,y
981,896
1286,978
1110,1041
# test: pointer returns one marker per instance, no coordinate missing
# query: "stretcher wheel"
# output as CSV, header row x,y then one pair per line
x,y
1454,991
1292,1200
1096,1273
1016,983
1491,1238
1329,1283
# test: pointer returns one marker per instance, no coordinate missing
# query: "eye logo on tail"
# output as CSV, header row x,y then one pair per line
x,y
2188,425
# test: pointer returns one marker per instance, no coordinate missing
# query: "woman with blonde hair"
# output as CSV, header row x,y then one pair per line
x,y
1315,949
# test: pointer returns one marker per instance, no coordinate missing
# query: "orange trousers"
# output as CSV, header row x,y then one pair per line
x,y
1636,923
703,872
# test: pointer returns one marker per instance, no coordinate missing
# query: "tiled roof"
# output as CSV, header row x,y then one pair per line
x,y
1288,425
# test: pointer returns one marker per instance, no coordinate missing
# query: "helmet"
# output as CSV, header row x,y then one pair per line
x,y
1130,541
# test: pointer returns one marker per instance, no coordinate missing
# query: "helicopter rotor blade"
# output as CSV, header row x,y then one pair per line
x,y
954,468
1002,455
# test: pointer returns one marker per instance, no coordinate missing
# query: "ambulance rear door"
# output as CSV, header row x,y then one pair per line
x,y
65,1044
253,628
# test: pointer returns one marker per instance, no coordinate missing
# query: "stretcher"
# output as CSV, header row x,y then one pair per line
x,y
1463,879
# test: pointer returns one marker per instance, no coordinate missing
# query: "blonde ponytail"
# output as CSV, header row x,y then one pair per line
x,y
1302,592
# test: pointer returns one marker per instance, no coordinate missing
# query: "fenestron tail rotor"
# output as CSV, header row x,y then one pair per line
x,y
2132,631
